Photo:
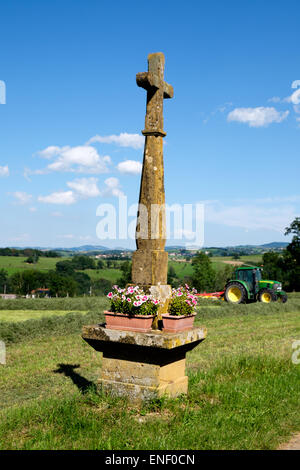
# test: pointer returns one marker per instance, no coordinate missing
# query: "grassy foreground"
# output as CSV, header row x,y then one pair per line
x,y
244,390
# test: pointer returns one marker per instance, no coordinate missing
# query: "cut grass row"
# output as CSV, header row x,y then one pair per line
x,y
23,315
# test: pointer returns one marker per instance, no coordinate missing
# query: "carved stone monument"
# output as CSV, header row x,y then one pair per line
x,y
135,364
150,261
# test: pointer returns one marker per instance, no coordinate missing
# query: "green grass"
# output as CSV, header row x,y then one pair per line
x,y
70,304
23,315
220,261
13,264
243,388
107,273
182,269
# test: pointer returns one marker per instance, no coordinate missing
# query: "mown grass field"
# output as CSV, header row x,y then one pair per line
x,y
23,315
244,390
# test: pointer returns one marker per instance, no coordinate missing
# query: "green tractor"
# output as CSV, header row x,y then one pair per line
x,y
247,285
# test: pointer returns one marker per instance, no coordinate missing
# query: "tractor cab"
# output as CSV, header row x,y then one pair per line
x,y
251,277
247,285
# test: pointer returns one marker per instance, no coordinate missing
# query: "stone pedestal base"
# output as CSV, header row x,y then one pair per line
x,y
143,366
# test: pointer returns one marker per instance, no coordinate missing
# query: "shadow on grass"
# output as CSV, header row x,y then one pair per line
x,y
81,383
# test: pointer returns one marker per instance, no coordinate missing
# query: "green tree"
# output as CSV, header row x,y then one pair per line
x,y
172,277
82,262
33,258
100,264
65,267
294,247
26,281
223,274
3,279
101,287
83,281
126,274
61,285
203,273
292,255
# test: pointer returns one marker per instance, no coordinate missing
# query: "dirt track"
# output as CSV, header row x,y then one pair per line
x,y
293,444
234,263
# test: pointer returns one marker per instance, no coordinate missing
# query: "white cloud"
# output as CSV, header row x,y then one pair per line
x,y
51,151
294,98
275,99
112,188
251,216
22,198
85,187
4,171
130,167
135,141
296,84
32,209
81,188
257,117
60,197
80,159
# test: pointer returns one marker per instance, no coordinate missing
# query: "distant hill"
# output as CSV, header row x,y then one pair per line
x,y
85,248
275,245
96,248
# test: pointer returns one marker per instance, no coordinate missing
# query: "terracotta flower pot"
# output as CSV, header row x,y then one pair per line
x,y
175,323
122,321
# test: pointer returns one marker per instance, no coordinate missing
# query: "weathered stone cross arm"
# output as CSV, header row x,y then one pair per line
x,y
157,90
148,80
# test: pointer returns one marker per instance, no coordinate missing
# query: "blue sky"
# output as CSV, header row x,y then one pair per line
x,y
70,128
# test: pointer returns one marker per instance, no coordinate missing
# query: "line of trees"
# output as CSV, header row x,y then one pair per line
x,y
66,279
61,285
285,266
29,252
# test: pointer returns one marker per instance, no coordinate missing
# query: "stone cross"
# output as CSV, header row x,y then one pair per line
x,y
150,261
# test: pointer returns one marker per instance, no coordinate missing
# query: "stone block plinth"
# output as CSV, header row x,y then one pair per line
x,y
143,366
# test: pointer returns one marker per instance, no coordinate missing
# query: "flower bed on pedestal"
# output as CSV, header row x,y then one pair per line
x,y
181,310
131,309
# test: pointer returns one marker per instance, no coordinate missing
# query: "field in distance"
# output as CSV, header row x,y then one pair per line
x,y
13,264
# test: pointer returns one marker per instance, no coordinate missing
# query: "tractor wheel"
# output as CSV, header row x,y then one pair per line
x,y
235,293
266,296
283,298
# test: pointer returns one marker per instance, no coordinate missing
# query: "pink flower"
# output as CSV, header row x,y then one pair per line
x,y
179,294
109,295
128,299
